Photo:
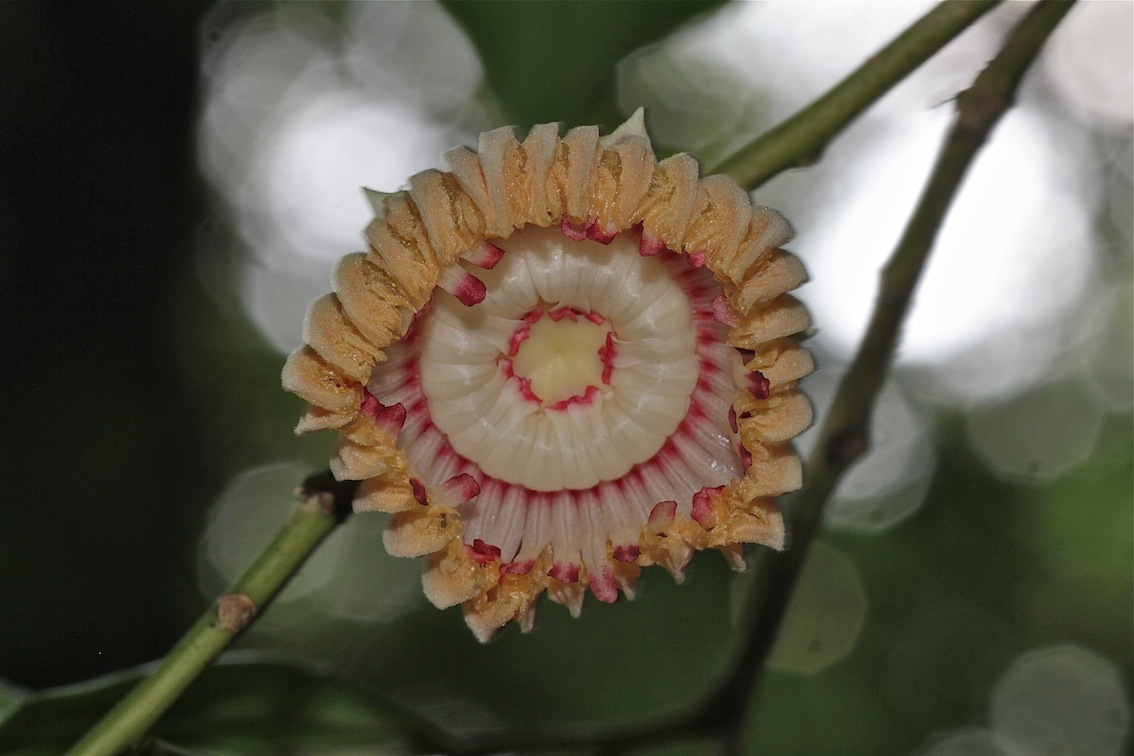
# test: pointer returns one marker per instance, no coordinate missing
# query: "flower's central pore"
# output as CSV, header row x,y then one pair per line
x,y
579,364
565,355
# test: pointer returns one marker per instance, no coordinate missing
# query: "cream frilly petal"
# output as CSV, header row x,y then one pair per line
x,y
592,186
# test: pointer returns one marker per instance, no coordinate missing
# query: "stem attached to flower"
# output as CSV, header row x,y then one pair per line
x,y
800,140
323,505
845,435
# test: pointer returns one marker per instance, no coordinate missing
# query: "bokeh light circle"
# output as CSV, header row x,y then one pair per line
x,y
302,110
1062,699
825,617
1037,435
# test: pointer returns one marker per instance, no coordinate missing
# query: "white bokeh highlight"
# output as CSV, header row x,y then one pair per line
x,y
1014,259
1009,266
718,83
1037,435
891,481
825,617
302,112
1062,700
1091,62
1109,349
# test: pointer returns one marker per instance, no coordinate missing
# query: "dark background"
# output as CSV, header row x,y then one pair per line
x,y
103,455
132,392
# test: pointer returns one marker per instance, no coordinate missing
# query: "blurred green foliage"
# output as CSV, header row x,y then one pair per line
x,y
554,61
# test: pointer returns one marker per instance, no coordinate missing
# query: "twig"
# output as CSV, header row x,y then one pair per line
x,y
845,435
323,505
800,140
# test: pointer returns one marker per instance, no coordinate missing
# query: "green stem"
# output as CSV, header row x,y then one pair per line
x,y
323,505
800,140
845,435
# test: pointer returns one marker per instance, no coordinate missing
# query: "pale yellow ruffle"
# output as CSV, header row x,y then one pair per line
x,y
593,186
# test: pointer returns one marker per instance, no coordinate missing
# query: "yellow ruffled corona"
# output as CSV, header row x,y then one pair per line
x,y
561,361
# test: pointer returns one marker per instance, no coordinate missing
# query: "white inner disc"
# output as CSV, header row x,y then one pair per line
x,y
480,400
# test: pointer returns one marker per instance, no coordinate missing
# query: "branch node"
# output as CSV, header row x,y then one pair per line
x,y
235,611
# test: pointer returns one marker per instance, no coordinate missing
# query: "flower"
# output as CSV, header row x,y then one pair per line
x,y
559,362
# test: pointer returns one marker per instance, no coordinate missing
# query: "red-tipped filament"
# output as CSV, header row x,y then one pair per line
x,y
590,386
